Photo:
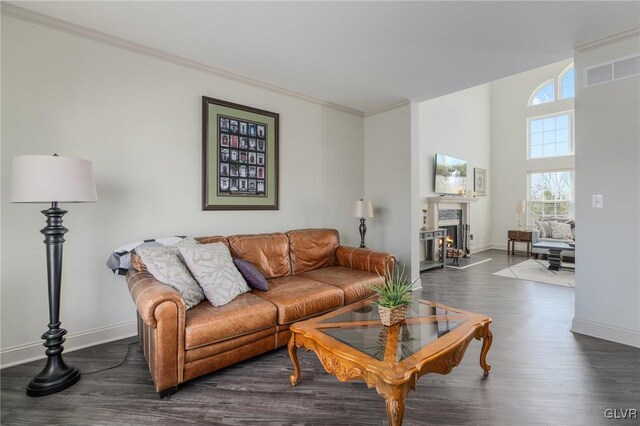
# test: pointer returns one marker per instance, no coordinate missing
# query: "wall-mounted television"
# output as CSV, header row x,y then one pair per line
x,y
450,175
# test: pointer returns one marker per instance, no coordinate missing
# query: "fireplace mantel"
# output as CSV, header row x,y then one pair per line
x,y
447,199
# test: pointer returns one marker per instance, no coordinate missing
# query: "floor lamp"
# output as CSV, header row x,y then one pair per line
x,y
53,179
362,209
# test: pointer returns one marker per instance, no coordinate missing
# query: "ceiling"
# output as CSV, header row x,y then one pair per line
x,y
362,55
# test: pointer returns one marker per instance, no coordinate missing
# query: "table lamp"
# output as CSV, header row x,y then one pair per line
x,y
53,179
362,209
521,208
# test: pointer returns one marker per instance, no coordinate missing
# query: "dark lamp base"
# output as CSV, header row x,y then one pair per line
x,y
52,380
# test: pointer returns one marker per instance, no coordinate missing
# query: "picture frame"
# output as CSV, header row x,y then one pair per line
x,y
480,181
240,152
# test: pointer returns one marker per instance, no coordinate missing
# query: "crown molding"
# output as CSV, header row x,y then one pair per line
x,y
41,19
394,105
605,41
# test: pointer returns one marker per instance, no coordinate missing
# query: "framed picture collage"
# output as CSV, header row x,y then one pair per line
x,y
242,159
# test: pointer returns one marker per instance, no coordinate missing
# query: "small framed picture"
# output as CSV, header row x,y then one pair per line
x,y
243,128
480,181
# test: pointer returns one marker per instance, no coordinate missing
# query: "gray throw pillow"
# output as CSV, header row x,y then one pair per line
x,y
545,224
251,275
539,227
213,268
165,265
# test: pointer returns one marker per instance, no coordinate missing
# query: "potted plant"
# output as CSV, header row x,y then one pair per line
x,y
394,296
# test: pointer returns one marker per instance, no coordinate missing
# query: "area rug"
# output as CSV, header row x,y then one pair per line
x,y
467,262
538,270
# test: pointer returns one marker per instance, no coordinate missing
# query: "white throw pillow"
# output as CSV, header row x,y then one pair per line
x,y
165,265
213,268
561,231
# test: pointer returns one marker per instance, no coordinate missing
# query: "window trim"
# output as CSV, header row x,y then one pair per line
x,y
572,151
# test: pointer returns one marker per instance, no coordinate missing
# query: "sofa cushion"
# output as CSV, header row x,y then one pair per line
x,y
556,240
355,284
298,298
213,268
312,249
206,324
213,239
267,252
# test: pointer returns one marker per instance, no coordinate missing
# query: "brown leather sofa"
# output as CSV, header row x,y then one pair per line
x,y
309,273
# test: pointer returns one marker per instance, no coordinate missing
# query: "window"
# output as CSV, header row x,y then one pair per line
x,y
545,93
567,83
561,87
550,136
550,194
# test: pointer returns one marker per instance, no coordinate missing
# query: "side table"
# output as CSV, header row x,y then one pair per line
x,y
518,236
426,236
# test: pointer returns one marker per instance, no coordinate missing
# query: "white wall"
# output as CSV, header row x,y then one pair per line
x,y
608,163
139,120
459,125
509,164
389,143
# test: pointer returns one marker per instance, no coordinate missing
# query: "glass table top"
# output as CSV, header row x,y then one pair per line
x,y
361,329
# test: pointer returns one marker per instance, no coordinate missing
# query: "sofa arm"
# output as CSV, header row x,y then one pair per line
x,y
148,293
161,313
535,236
365,260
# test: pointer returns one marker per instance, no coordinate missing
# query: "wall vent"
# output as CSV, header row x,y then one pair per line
x,y
614,70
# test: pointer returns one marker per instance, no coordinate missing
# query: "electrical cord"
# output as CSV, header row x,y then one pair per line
x,y
114,366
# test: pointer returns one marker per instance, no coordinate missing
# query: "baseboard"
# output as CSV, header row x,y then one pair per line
x,y
481,249
33,351
606,332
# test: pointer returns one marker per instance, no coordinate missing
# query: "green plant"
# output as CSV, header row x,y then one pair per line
x,y
395,289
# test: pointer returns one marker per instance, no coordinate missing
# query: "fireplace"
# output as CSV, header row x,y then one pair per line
x,y
452,213
452,236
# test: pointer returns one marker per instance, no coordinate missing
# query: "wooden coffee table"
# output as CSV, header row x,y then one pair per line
x,y
352,344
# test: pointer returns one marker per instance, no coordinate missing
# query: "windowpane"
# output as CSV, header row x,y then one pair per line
x,y
545,94
567,83
549,124
550,194
562,135
536,151
536,126
562,121
562,148
536,139
556,136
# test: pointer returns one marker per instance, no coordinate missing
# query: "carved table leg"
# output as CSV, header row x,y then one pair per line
x,y
293,354
486,344
394,400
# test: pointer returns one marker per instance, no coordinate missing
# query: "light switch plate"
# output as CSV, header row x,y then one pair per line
x,y
597,201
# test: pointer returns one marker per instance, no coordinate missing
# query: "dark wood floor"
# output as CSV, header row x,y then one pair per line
x,y
541,374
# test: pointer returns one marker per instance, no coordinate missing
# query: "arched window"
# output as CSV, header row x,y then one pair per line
x,y
567,82
546,92
561,87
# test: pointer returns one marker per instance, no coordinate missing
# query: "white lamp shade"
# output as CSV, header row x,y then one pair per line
x,y
48,178
361,208
521,207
